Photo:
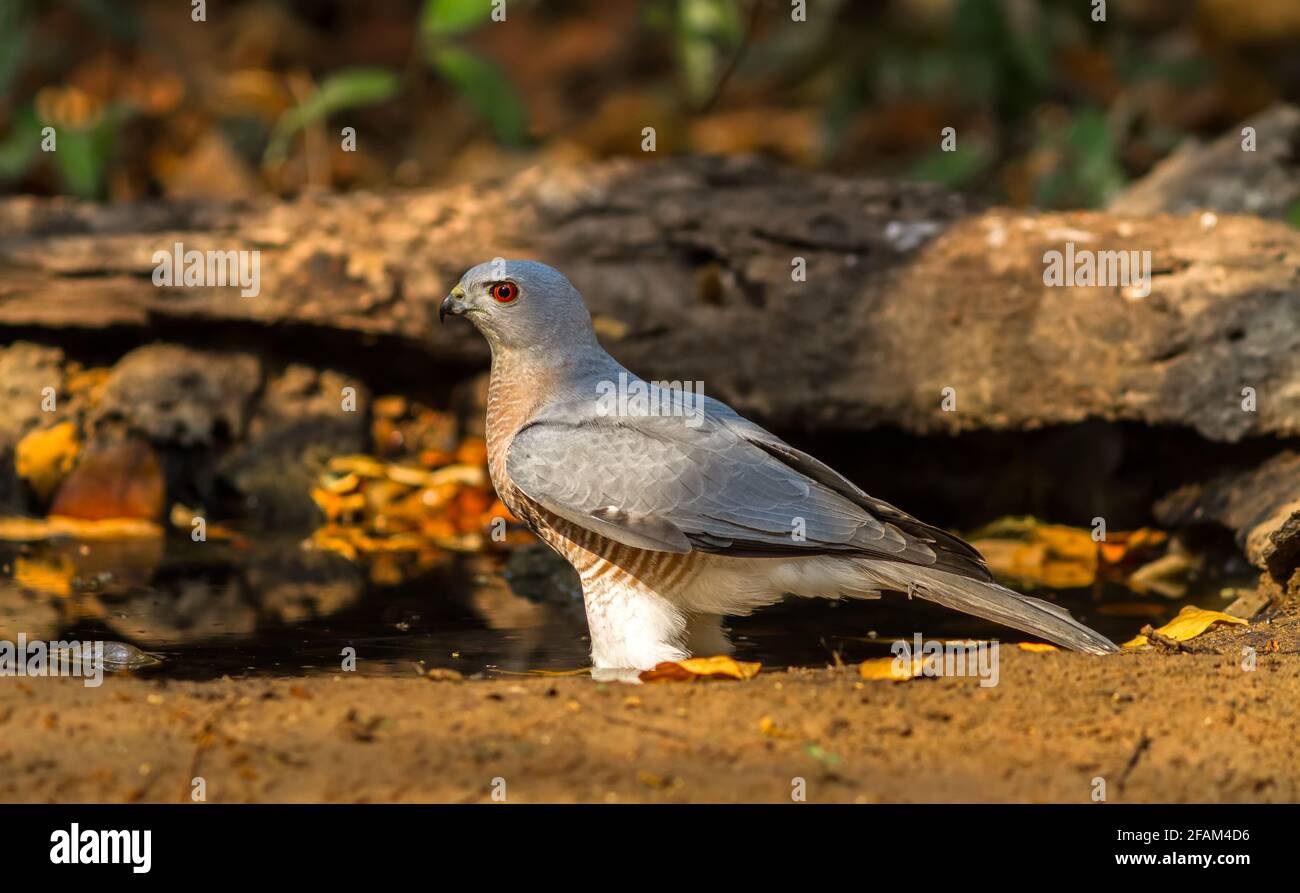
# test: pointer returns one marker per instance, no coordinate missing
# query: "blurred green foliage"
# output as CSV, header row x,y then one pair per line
x,y
1293,215
345,89
452,18
479,82
1049,106
706,33
80,153
1091,172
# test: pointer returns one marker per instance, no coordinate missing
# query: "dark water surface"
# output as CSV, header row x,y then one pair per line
x,y
273,608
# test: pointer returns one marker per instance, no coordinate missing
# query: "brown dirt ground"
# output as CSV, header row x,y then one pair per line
x,y
1158,726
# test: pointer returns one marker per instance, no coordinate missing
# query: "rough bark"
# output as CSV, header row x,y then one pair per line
x,y
687,266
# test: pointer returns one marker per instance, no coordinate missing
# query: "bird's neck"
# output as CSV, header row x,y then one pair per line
x,y
522,383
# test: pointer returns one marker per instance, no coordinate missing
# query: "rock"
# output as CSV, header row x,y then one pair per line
x,y
26,370
300,421
1261,506
909,290
120,481
180,397
1220,176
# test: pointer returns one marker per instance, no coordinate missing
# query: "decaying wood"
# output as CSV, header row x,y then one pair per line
x,y
688,265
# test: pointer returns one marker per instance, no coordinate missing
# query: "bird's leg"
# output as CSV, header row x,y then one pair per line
x,y
705,636
631,629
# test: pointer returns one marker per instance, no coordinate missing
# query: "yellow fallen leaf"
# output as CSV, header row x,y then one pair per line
x,y
1119,545
891,669
700,667
443,674
365,466
26,530
182,516
1036,647
89,382
45,575
333,506
389,406
43,458
472,451
329,539
614,329
1190,623
463,474
768,727
345,484
1051,555
411,477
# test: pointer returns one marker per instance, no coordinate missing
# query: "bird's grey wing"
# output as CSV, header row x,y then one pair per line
x,y
967,585
953,553
672,484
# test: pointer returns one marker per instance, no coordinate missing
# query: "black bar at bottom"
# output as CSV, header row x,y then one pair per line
x,y
582,844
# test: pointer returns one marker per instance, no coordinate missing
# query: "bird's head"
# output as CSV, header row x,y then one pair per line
x,y
520,305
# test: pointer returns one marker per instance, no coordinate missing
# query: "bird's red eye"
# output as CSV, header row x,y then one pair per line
x,y
505,292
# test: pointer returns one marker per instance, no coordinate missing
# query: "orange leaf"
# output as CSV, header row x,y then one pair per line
x,y
693,668
43,458
1190,623
891,669
121,481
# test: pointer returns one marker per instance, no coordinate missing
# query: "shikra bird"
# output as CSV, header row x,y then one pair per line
x,y
675,510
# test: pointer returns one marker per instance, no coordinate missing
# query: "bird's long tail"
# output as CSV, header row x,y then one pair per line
x,y
993,602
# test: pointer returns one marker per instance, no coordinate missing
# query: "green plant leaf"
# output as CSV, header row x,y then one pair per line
x,y
18,152
1293,214
344,89
1089,171
484,87
14,40
447,18
83,156
705,28
79,164
955,169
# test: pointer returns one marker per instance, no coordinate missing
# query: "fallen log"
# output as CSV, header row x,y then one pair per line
x,y
813,302
689,267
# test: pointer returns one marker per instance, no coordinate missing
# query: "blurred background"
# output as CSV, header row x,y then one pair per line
x,y
1052,109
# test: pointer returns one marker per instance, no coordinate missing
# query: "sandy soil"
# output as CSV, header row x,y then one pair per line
x,y
1157,726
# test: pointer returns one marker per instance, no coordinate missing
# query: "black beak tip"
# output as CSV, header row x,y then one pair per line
x,y
444,308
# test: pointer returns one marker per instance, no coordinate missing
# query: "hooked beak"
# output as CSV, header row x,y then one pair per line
x,y
451,304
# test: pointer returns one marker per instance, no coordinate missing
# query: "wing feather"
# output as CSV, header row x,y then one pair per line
x,y
661,483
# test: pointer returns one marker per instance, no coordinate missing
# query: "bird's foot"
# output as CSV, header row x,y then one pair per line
x,y
630,675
